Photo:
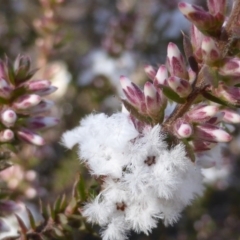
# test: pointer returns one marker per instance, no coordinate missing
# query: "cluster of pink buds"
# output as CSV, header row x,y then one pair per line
x,y
23,107
206,83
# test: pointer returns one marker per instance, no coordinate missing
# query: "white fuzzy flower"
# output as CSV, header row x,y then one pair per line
x,y
144,181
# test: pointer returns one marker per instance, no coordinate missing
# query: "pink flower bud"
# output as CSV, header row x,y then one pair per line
x,y
231,67
30,137
27,101
8,117
196,40
6,135
183,129
180,86
203,20
154,101
231,116
36,85
150,71
202,146
161,76
133,93
210,51
211,133
43,106
5,89
202,113
46,91
216,6
230,94
37,123
176,62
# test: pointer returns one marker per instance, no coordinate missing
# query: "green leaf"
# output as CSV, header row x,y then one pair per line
x,y
189,150
22,226
169,93
31,219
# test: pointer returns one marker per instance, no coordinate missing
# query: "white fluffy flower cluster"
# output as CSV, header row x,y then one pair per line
x,y
144,181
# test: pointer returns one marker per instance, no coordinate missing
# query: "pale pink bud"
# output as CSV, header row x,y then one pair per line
x,y
203,20
206,162
161,76
154,101
210,51
133,93
37,123
196,40
46,91
216,6
150,71
27,101
6,135
30,137
202,113
180,86
8,117
212,133
5,89
183,129
36,85
43,106
231,67
176,62
202,146
231,116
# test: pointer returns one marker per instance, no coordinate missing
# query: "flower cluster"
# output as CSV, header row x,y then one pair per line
x,y
145,157
144,181
22,102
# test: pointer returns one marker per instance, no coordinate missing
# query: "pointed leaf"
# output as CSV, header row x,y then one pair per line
x,y
21,224
31,219
169,93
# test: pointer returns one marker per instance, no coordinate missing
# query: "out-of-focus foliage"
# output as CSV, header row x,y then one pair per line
x,y
83,46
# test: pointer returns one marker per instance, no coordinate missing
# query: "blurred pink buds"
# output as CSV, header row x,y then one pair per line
x,y
183,129
211,133
41,122
202,113
230,67
204,21
161,76
36,85
43,106
27,101
133,93
217,118
216,6
210,51
180,86
8,206
30,137
176,62
6,135
8,117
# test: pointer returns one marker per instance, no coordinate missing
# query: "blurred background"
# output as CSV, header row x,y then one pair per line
x,y
83,46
